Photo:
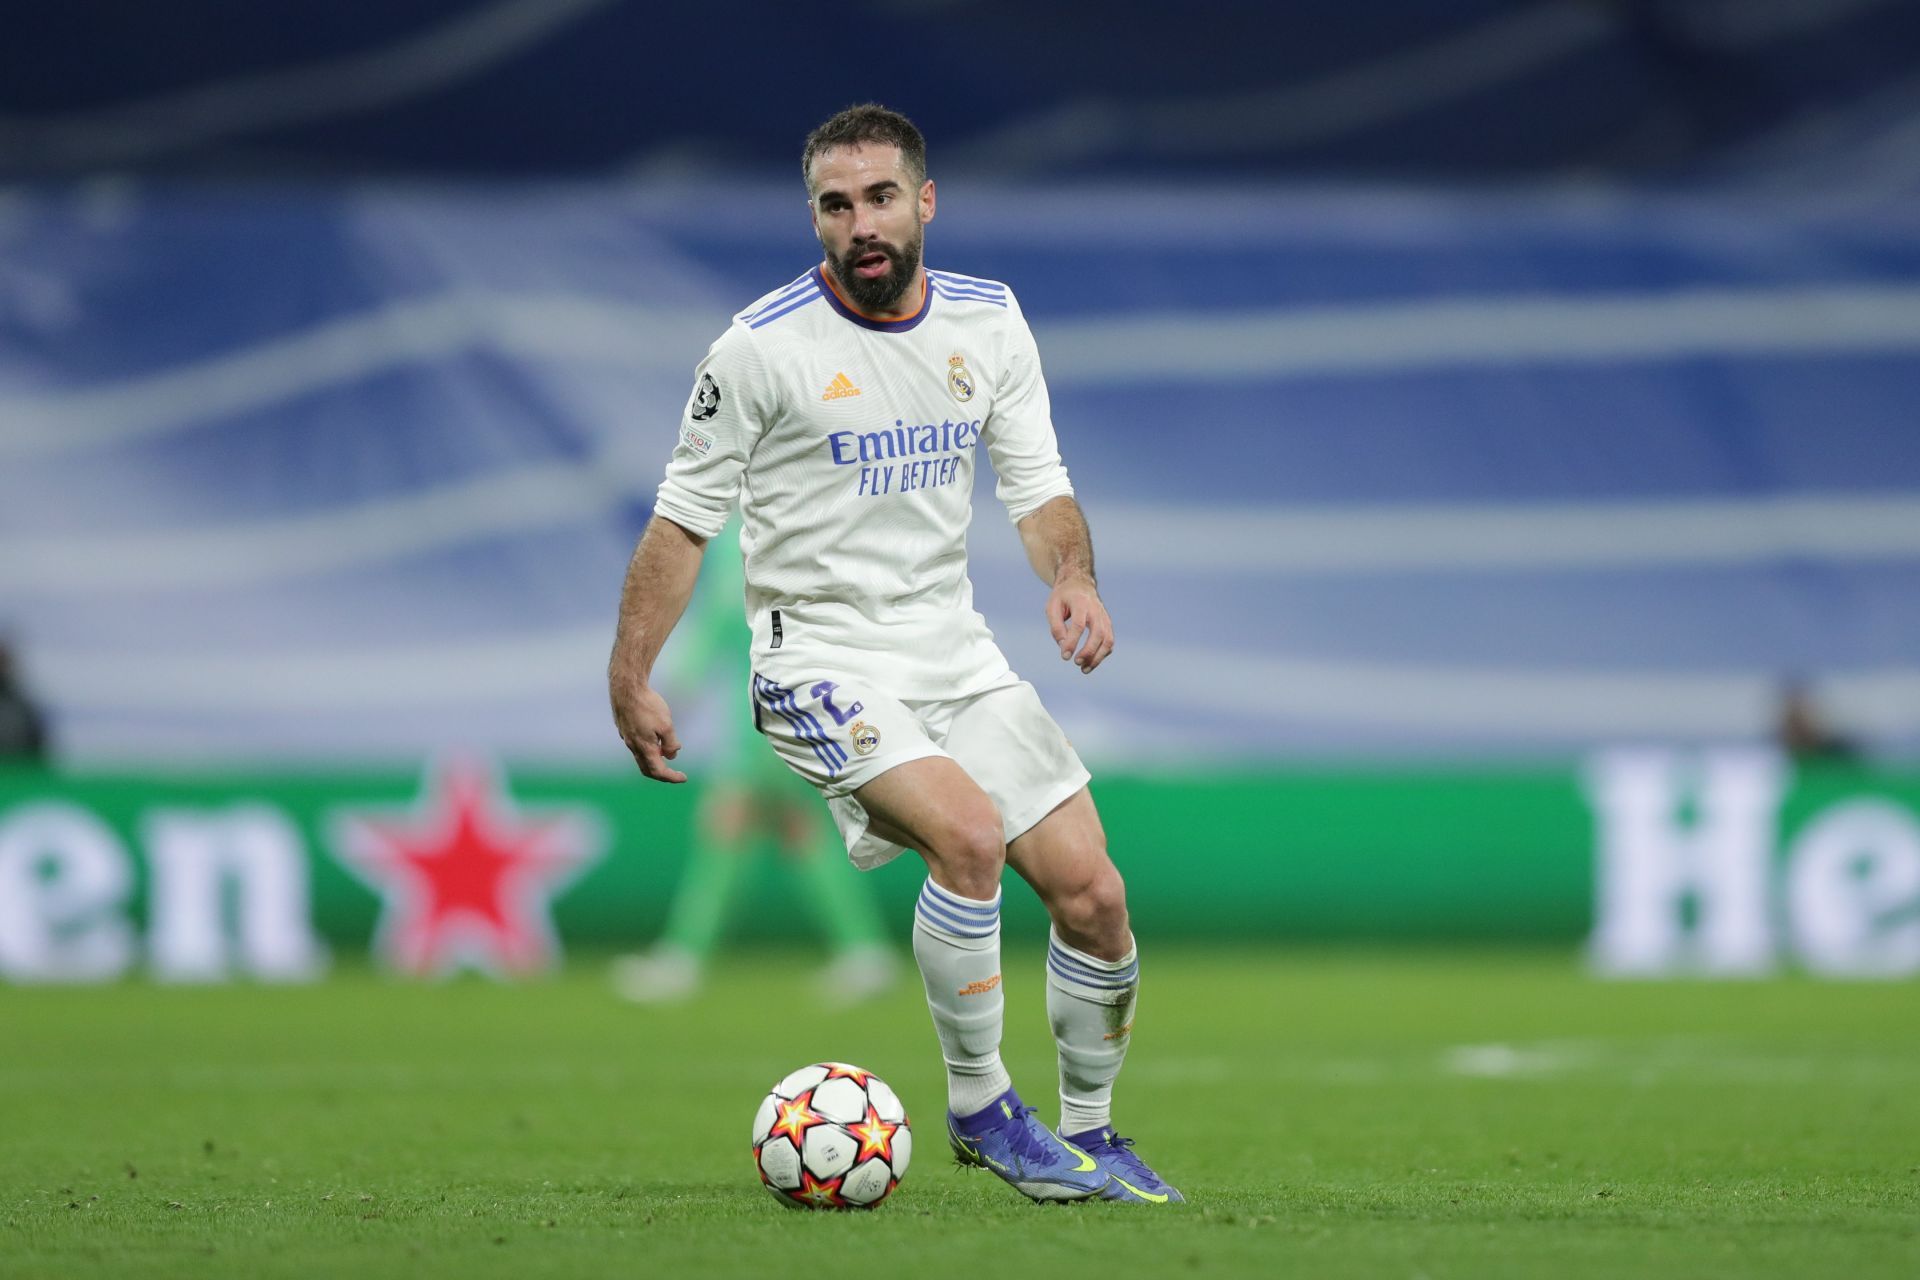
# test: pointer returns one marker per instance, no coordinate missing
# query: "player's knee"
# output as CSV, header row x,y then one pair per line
x,y
1093,914
972,850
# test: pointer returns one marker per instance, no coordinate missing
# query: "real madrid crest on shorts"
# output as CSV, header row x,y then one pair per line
x,y
959,381
865,738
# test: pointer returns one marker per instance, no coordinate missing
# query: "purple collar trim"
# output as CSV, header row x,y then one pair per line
x,y
835,301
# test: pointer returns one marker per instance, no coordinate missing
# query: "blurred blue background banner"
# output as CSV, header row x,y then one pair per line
x,y
1472,88
353,471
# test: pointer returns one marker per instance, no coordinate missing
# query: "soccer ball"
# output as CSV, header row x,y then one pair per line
x,y
831,1136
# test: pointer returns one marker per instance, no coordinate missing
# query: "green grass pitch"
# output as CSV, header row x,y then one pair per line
x,y
1328,1114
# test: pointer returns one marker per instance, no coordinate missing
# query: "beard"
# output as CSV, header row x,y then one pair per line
x,y
882,292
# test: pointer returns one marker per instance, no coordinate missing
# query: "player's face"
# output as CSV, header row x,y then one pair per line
x,y
871,223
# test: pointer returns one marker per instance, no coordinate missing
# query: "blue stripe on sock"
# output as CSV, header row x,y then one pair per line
x,y
963,906
1078,973
1080,981
945,908
1067,966
939,919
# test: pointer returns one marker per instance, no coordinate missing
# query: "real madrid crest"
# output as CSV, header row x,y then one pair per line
x,y
959,381
865,737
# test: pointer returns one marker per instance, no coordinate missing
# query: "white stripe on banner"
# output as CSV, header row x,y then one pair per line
x,y
560,328
1409,337
250,104
1298,114
457,673
1556,537
1161,347
1512,702
1194,540
1746,24
551,496
464,675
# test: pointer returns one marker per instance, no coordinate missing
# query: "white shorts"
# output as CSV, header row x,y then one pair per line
x,y
840,734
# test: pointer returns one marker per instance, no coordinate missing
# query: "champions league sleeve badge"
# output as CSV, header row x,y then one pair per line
x,y
706,398
959,381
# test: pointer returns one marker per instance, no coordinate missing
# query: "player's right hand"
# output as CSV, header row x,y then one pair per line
x,y
646,726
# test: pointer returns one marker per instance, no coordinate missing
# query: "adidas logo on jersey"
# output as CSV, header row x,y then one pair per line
x,y
840,388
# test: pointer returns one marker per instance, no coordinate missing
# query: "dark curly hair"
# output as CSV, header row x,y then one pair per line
x,y
868,122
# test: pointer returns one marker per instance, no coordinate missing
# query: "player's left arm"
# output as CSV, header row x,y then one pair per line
x,y
1061,551
1033,484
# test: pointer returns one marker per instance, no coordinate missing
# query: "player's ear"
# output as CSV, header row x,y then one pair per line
x,y
926,201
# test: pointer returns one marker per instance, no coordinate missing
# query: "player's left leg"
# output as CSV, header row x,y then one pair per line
x,y
1093,977
863,963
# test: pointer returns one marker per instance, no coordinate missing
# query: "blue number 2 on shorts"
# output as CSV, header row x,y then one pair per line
x,y
824,692
832,756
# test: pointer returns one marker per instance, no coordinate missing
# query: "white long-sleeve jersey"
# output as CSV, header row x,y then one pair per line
x,y
850,443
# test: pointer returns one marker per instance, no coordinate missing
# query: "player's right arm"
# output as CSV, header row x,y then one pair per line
x,y
723,421
659,582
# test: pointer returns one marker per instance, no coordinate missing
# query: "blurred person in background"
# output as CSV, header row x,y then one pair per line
x,y
1805,734
23,729
753,802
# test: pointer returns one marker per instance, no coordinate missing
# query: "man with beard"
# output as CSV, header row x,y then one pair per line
x,y
843,411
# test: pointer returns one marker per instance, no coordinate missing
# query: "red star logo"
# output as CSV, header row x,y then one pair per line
x,y
876,1136
817,1194
795,1118
467,880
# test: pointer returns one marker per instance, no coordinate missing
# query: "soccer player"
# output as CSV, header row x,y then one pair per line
x,y
845,411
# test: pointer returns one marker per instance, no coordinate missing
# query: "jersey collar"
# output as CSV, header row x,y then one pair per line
x,y
845,308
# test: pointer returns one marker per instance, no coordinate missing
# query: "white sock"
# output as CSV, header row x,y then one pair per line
x,y
957,942
1090,1003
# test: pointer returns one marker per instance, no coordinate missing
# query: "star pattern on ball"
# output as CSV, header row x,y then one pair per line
x,y
796,1117
820,1194
841,1071
876,1136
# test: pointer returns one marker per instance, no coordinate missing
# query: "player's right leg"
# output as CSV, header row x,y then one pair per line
x,y
932,806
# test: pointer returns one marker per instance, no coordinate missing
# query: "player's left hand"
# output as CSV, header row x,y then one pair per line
x,y
1079,621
